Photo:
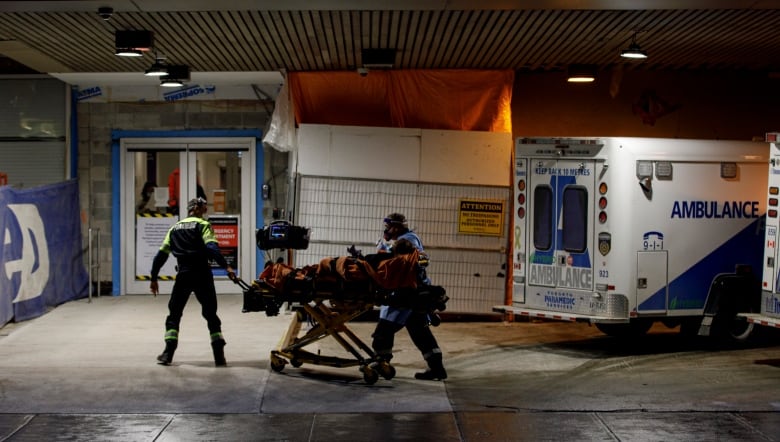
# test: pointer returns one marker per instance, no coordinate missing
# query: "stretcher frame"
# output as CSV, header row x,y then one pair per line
x,y
329,316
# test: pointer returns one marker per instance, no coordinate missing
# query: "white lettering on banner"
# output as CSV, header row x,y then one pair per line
x,y
34,263
572,277
90,92
187,92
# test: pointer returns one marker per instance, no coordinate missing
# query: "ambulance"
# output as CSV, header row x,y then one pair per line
x,y
625,232
769,314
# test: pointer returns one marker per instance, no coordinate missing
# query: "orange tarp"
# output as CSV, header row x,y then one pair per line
x,y
457,99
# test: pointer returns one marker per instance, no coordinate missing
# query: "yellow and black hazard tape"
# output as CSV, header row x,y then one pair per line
x,y
149,278
156,215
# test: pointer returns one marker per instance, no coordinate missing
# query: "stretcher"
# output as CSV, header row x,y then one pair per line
x,y
329,295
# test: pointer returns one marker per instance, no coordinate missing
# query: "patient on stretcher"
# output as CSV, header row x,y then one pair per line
x,y
380,279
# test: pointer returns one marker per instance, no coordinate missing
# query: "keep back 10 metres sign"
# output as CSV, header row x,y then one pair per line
x,y
481,217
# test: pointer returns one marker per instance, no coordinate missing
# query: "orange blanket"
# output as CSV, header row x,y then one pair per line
x,y
400,271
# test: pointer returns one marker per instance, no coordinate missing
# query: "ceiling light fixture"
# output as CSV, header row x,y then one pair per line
x,y
171,82
633,51
158,68
177,75
582,73
133,43
381,58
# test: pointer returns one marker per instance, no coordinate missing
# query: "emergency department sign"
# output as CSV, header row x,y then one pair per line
x,y
481,217
226,230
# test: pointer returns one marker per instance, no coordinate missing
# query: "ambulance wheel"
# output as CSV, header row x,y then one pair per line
x,y
277,363
741,330
728,327
369,375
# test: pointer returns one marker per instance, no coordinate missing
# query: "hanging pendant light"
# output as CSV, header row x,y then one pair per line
x,y
634,51
132,43
158,68
177,75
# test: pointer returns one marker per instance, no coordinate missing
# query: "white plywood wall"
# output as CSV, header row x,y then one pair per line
x,y
350,178
414,155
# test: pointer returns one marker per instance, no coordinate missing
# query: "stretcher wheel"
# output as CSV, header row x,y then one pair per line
x,y
277,363
386,370
369,375
296,362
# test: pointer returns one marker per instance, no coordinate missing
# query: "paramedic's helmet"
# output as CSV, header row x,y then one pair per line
x,y
396,219
195,202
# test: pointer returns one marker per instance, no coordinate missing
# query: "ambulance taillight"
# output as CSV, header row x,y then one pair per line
x,y
521,199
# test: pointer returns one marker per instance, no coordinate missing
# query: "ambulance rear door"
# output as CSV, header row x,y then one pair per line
x,y
561,215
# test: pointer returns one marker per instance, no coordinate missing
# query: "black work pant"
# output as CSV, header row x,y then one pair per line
x,y
419,330
202,283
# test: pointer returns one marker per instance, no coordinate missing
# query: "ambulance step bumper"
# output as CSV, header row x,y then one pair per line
x,y
759,319
556,316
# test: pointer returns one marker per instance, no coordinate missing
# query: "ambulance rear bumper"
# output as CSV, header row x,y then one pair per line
x,y
555,316
755,318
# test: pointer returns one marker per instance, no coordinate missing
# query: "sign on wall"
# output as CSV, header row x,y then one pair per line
x,y
151,229
481,217
226,230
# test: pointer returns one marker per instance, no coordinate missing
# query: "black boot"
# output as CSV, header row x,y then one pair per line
x,y
166,356
435,371
218,347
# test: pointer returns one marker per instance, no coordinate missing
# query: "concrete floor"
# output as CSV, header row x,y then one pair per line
x,y
87,371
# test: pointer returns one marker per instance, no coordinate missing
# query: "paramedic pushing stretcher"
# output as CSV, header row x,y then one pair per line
x,y
393,319
192,242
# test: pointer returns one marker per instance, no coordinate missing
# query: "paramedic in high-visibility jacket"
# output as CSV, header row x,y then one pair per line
x,y
393,319
193,243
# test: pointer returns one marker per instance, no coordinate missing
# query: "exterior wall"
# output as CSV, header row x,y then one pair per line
x,y
712,106
97,120
724,106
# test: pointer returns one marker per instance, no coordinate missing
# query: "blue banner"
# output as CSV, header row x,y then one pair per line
x,y
41,262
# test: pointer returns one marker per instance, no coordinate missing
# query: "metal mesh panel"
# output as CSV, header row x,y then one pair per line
x,y
341,212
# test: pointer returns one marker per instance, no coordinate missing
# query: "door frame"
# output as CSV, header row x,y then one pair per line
x,y
243,139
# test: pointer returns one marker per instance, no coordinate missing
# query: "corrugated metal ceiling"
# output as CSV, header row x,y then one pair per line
x,y
243,40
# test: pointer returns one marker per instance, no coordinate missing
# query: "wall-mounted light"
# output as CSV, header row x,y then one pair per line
x,y
633,51
177,75
133,43
581,73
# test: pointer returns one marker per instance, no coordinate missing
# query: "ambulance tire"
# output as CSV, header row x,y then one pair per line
x,y
633,329
729,328
735,293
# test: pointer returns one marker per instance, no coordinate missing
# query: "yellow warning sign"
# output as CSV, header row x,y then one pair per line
x,y
481,217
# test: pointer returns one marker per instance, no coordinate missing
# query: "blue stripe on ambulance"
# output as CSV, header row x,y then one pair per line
x,y
689,290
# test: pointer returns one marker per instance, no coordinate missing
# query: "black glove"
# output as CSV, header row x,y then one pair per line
x,y
355,253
